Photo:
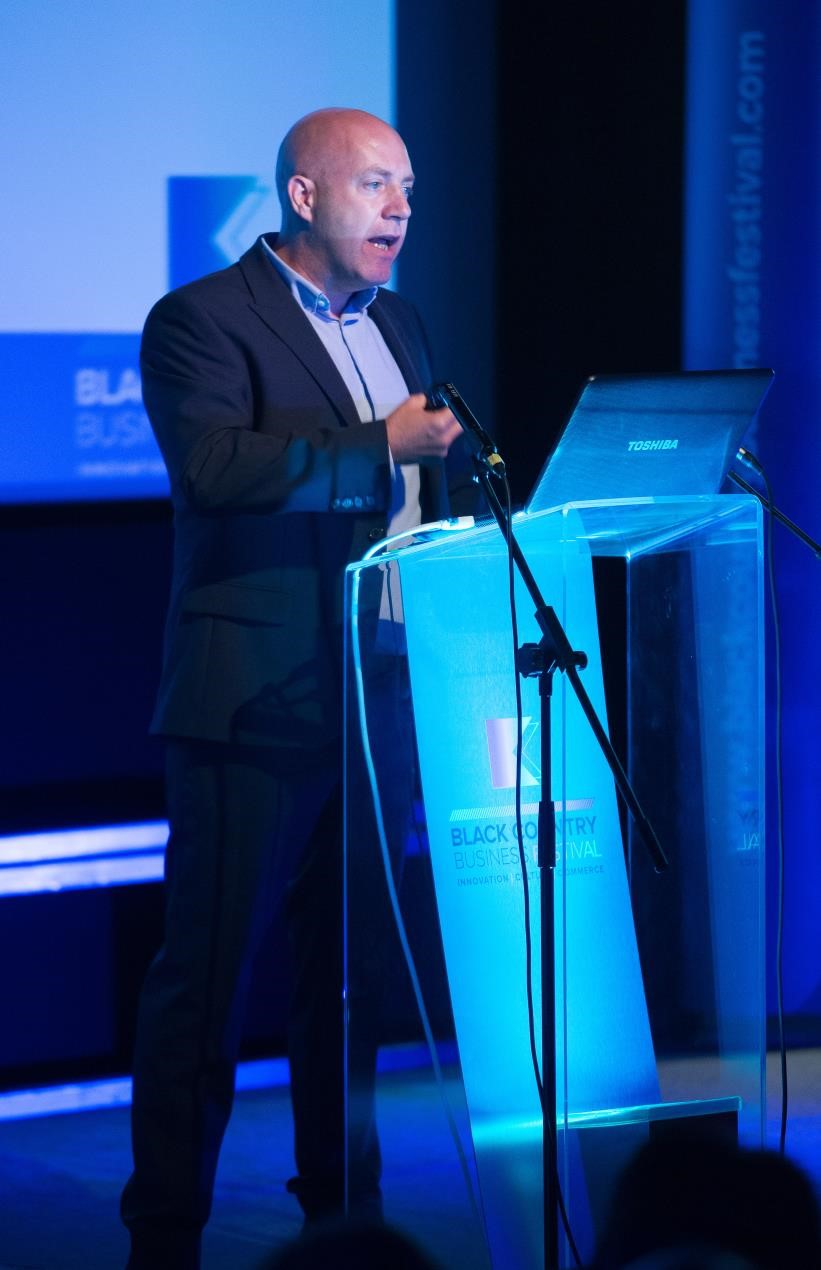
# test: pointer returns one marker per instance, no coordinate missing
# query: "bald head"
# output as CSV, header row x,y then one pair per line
x,y
320,140
344,181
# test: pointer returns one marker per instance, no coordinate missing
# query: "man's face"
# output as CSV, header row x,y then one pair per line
x,y
360,207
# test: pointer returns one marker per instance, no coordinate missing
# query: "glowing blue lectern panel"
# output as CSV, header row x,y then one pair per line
x,y
460,653
461,662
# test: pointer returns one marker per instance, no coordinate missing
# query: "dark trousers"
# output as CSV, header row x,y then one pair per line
x,y
248,832
254,832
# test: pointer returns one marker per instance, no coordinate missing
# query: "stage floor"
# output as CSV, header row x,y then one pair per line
x,y
60,1176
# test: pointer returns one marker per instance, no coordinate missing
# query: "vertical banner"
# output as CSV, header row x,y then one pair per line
x,y
752,297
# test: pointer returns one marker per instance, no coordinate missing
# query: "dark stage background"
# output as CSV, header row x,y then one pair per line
x,y
546,244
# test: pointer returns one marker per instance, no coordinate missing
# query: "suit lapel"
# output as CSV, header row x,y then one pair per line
x,y
276,307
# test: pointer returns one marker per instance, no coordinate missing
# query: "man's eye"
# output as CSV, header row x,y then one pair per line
x,y
407,190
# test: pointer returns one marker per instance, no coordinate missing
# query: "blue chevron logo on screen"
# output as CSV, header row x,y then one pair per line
x,y
212,220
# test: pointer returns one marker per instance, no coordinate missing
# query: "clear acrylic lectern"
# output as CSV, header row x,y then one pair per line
x,y
659,977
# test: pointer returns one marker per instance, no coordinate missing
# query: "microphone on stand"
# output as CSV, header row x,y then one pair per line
x,y
478,440
747,457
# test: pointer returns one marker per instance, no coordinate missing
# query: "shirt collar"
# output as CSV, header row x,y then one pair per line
x,y
315,301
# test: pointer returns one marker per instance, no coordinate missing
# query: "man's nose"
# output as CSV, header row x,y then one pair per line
x,y
398,206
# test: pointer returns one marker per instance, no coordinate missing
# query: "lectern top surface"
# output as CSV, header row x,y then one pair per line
x,y
635,436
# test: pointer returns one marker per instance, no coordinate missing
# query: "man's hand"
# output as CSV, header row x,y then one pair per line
x,y
416,434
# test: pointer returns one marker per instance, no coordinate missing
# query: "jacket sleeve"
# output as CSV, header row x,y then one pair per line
x,y
230,447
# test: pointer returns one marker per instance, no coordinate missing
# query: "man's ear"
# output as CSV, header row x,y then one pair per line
x,y
302,193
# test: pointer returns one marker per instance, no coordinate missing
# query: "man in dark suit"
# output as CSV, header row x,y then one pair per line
x,y
286,393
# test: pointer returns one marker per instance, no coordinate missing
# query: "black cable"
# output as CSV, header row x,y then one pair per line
x,y
779,777
531,1025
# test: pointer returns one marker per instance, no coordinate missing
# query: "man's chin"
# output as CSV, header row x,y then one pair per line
x,y
379,276
378,271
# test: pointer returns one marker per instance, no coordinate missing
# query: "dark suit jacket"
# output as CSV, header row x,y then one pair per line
x,y
276,487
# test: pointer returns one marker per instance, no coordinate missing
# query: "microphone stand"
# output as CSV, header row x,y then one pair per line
x,y
542,660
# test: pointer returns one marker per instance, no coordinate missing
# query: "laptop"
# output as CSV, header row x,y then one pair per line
x,y
635,436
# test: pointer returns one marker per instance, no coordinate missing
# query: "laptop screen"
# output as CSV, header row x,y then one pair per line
x,y
635,436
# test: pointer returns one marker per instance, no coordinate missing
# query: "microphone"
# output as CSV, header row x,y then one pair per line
x,y
746,457
478,440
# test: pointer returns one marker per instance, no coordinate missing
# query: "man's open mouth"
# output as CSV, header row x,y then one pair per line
x,y
385,242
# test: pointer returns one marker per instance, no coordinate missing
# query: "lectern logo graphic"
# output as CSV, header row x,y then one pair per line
x,y
501,745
